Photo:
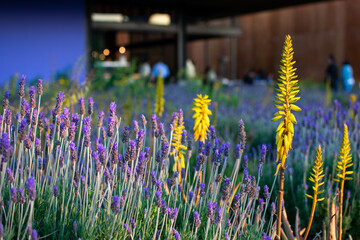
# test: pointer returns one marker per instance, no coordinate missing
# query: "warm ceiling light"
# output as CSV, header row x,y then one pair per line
x,y
106,52
122,50
107,17
160,19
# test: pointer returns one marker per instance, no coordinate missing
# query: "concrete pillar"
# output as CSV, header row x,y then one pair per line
x,y
181,41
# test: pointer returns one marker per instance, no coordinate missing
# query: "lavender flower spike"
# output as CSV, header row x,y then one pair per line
x,y
34,235
197,221
30,188
177,234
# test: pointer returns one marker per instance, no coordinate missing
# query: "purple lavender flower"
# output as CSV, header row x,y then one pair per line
x,y
228,224
22,86
39,87
211,210
139,140
207,149
32,97
91,106
163,207
101,119
125,134
183,137
133,224
173,213
158,199
82,106
122,201
8,118
143,119
147,153
9,176
14,194
226,149
140,168
86,131
225,190
154,122
212,132
245,162
273,208
128,230
75,228
237,151
226,236
191,195
30,188
242,134
115,205
6,100
236,202
177,234
153,177
73,152
131,152
260,168
56,192
136,127
158,185
62,130
59,102
201,144
65,117
266,192
146,191
22,130
202,189
34,235
72,130
21,196
262,154
216,157
266,237
197,221
29,230
23,106
112,109
2,233
261,205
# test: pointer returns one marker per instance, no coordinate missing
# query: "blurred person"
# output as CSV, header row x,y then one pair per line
x,y
190,70
161,68
331,73
347,76
145,70
249,77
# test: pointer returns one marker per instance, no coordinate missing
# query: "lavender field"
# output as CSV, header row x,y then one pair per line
x,y
180,161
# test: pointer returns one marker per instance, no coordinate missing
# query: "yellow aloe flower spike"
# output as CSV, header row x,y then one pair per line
x,y
285,99
178,148
159,102
201,115
343,164
316,177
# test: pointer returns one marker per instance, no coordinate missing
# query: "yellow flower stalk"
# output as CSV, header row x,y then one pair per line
x,y
178,148
159,102
285,99
201,115
343,164
316,177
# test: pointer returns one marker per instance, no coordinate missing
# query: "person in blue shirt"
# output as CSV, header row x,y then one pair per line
x,y
347,76
332,73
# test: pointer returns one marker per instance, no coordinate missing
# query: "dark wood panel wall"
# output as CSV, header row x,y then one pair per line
x,y
318,29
